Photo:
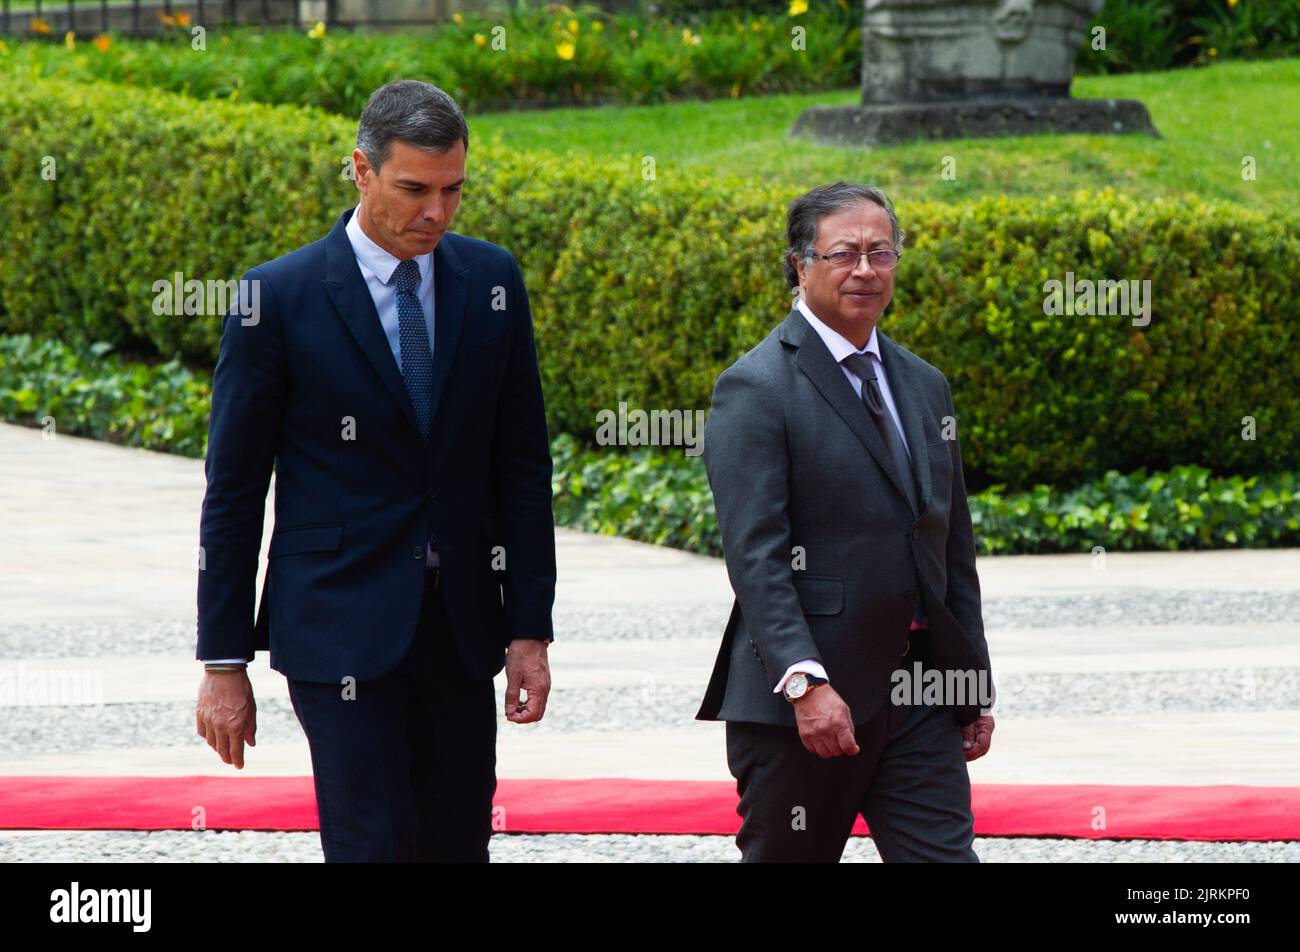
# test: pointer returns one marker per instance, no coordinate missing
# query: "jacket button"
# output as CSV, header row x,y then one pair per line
x,y
418,552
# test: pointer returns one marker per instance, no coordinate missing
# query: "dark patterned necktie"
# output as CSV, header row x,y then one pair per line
x,y
413,342
861,366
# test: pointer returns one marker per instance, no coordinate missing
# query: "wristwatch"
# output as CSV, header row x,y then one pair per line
x,y
800,684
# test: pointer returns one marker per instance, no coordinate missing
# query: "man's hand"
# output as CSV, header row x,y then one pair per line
x,y
825,724
527,668
976,737
226,715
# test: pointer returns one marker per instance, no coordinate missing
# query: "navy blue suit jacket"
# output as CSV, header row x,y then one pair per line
x,y
345,577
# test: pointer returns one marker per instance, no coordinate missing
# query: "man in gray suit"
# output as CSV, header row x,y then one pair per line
x,y
853,674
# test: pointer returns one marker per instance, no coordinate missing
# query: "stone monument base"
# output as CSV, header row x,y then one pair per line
x,y
892,123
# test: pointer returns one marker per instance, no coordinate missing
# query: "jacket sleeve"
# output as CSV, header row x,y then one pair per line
x,y
748,463
249,388
522,467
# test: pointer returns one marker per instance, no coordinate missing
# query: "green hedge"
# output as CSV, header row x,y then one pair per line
x,y
645,289
629,57
611,58
663,497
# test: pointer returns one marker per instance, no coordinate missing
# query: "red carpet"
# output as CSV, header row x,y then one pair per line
x,y
645,806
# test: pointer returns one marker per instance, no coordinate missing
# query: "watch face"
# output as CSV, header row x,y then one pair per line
x,y
797,686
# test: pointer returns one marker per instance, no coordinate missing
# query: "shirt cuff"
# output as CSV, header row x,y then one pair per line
x,y
807,666
224,660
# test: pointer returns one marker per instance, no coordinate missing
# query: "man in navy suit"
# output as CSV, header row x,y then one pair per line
x,y
389,376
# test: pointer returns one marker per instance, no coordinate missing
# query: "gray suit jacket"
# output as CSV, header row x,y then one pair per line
x,y
794,460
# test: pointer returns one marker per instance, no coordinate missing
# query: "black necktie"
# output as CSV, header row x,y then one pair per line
x,y
861,366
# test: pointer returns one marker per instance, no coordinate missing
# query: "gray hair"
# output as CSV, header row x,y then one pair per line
x,y
416,113
804,215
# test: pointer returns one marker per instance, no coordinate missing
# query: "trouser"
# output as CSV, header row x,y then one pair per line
x,y
404,765
908,781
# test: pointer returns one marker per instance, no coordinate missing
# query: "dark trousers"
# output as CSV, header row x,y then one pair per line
x,y
908,781
405,769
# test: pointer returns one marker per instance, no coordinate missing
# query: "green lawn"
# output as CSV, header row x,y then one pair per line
x,y
1209,119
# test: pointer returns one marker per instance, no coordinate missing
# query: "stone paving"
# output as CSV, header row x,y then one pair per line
x,y
1142,668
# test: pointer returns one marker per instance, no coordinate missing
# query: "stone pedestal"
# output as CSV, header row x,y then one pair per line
x,y
894,123
939,69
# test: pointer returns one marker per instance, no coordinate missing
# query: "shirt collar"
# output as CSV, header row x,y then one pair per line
x,y
839,346
378,261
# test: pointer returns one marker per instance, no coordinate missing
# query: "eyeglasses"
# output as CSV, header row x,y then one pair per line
x,y
882,258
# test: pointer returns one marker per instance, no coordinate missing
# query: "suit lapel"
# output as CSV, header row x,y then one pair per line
x,y
450,292
816,362
351,298
903,388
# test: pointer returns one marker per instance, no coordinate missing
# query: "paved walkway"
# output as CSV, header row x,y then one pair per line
x,y
1097,685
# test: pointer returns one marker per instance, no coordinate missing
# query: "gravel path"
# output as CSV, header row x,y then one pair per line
x,y
29,642
246,847
62,729
69,728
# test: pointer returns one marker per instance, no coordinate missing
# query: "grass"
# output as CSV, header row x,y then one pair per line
x,y
1209,119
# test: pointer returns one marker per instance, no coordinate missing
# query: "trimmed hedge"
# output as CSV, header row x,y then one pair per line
x,y
611,58
692,49
644,289
663,497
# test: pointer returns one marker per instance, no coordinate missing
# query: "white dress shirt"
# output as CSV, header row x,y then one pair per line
x,y
377,267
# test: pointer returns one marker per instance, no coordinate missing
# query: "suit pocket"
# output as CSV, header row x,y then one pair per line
x,y
820,594
491,345
940,455
305,539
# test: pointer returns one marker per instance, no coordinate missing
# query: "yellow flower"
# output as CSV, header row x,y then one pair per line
x,y
102,42
167,18
70,40
565,51
479,39
597,26
689,38
317,31
39,25
4,47
797,7
1213,51
460,20
573,26
1232,4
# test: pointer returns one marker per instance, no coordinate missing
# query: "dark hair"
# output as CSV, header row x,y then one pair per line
x,y
410,111
805,213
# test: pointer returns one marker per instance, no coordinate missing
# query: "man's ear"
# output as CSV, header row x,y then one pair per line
x,y
360,167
